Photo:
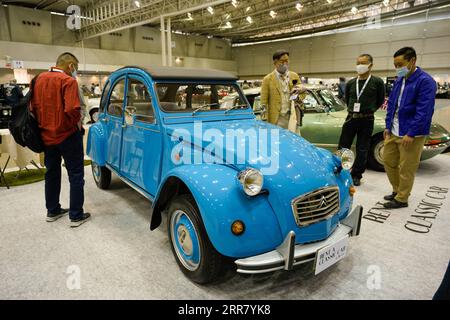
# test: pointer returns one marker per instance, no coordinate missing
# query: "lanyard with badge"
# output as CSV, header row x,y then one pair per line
x,y
357,105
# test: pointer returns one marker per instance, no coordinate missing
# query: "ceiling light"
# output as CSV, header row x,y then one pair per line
x,y
386,3
249,19
299,6
248,9
189,16
210,10
234,3
227,16
227,25
354,10
273,14
137,4
329,1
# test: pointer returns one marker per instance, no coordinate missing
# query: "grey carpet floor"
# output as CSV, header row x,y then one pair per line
x,y
117,257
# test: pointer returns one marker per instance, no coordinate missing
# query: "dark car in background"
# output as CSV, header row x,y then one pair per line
x,y
5,110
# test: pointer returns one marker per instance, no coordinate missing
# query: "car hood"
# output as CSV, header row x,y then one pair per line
x,y
291,167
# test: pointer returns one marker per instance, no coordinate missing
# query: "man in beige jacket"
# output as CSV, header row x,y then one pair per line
x,y
276,92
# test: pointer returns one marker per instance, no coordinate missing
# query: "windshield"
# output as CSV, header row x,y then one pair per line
x,y
331,100
182,97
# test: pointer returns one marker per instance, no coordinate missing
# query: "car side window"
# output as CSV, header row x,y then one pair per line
x,y
139,102
116,98
104,96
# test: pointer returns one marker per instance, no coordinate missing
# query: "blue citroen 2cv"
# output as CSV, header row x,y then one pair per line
x,y
233,188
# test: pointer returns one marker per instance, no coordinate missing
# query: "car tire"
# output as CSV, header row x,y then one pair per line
x,y
193,251
94,115
102,176
375,156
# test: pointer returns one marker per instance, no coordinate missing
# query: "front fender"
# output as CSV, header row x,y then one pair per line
x,y
221,202
96,144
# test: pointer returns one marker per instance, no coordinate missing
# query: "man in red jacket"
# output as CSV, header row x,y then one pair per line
x,y
56,105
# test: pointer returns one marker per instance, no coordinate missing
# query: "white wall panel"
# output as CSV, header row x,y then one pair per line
x,y
28,25
4,25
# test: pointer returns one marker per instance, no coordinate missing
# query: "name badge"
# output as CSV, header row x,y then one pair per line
x,y
357,107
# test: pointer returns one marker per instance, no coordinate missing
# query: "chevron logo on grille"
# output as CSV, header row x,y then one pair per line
x,y
323,203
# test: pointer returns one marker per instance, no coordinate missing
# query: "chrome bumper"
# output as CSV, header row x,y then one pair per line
x,y
437,147
288,255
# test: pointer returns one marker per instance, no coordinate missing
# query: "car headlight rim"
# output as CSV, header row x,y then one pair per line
x,y
251,181
347,158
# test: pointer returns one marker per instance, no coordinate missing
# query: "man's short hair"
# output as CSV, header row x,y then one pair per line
x,y
407,52
368,57
66,57
279,53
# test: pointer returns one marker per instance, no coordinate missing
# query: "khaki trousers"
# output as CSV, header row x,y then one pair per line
x,y
401,164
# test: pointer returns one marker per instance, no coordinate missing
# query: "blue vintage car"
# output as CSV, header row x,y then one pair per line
x,y
234,189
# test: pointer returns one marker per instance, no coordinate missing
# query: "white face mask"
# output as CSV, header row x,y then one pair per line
x,y
74,73
362,68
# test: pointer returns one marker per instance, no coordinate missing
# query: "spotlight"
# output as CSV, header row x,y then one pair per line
x,y
354,10
299,6
210,10
249,19
273,14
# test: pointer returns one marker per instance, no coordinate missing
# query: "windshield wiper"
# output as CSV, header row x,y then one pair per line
x,y
235,107
203,107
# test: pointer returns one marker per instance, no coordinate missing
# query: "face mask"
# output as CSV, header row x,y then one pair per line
x,y
402,72
282,68
362,68
74,73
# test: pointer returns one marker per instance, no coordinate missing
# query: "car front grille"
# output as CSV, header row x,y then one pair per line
x,y
316,206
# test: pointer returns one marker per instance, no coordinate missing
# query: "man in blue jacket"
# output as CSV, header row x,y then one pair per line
x,y
408,122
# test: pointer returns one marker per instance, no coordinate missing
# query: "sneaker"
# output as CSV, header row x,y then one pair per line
x,y
356,181
390,197
55,216
394,204
78,222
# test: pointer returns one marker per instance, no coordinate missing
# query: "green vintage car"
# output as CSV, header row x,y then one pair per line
x,y
325,114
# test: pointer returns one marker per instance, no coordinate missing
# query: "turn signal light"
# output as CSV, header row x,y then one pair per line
x,y
238,228
352,190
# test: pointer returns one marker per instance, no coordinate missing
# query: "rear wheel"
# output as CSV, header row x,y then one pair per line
x,y
190,244
375,157
102,175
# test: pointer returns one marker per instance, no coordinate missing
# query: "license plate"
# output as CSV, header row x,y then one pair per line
x,y
331,254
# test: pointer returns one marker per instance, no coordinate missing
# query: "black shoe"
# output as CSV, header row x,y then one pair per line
x,y
394,204
78,222
55,216
356,181
390,197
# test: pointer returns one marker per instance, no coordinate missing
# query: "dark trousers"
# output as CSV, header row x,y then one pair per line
x,y
443,293
71,150
362,128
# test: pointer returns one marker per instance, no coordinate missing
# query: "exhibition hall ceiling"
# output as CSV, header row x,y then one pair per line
x,y
237,20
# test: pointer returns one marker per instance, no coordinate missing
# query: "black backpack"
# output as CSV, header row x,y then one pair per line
x,y
23,125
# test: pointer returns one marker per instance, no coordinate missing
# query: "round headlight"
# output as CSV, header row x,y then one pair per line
x,y
347,158
251,180
5,112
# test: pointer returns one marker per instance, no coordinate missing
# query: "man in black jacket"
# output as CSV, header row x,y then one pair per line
x,y
363,95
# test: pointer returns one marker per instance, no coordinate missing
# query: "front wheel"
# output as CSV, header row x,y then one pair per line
x,y
190,244
375,157
102,175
